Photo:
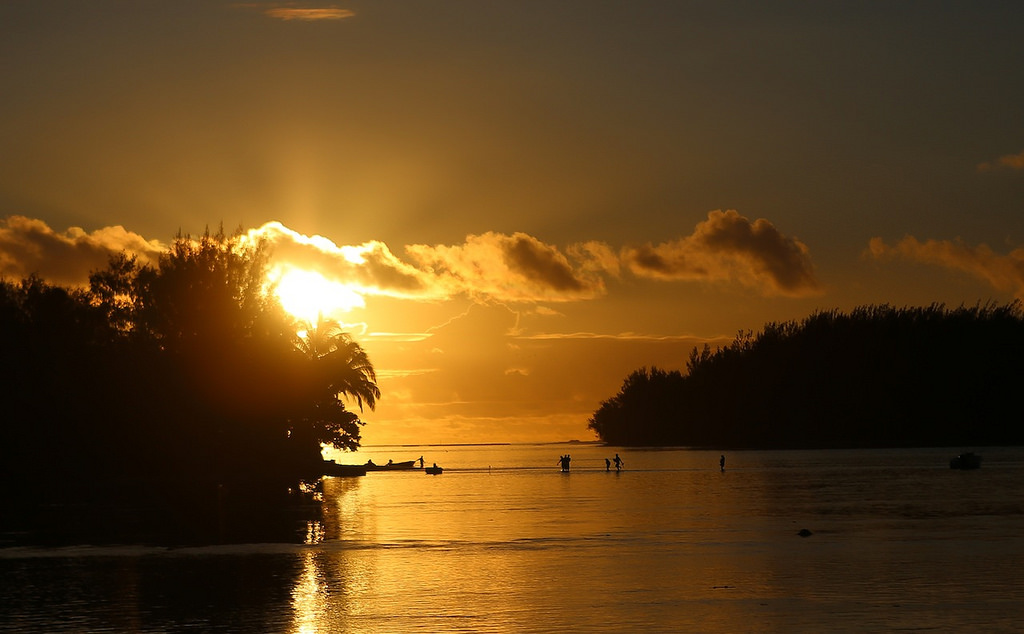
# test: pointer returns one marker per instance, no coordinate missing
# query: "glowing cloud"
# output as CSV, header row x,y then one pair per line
x,y
30,246
306,14
595,257
622,336
514,267
1009,161
368,269
729,247
1003,272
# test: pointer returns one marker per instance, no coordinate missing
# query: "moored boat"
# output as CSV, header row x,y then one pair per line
x,y
390,466
332,468
434,470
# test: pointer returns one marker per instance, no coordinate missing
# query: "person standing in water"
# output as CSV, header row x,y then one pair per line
x,y
607,464
721,463
618,463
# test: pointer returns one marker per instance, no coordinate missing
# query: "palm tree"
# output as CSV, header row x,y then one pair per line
x,y
314,340
343,362
340,367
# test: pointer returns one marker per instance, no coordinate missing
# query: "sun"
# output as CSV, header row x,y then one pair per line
x,y
307,294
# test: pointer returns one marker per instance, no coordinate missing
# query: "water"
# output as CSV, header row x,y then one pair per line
x,y
504,542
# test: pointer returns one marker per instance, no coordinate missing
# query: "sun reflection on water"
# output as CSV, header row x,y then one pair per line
x,y
336,573
314,532
309,597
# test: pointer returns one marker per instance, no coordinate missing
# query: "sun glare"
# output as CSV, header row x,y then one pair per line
x,y
306,294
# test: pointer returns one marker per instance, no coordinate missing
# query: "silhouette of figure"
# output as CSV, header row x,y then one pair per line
x,y
564,461
618,463
421,462
721,463
607,464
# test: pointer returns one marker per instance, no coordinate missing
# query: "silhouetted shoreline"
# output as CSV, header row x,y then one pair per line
x,y
877,377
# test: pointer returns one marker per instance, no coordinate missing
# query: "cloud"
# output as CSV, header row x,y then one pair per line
x,y
401,337
492,267
370,267
543,311
30,246
309,15
622,336
520,268
513,268
1010,161
293,12
729,247
595,257
1002,272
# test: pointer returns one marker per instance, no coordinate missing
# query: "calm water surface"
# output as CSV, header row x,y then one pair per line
x,y
505,542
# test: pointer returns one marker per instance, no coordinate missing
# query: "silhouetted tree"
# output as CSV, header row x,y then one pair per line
x,y
878,376
344,369
646,395
114,291
209,290
183,372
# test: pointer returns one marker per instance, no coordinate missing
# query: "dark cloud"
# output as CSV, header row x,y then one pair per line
x,y
1009,161
505,267
30,246
1002,272
541,264
728,247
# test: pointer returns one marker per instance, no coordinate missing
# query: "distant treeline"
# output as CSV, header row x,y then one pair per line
x,y
155,381
876,377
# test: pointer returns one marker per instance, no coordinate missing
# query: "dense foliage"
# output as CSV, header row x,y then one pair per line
x,y
185,374
877,377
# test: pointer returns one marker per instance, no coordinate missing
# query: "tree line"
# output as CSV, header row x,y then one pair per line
x,y
184,375
877,376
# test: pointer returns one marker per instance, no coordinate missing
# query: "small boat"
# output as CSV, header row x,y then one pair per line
x,y
434,470
969,460
390,466
331,468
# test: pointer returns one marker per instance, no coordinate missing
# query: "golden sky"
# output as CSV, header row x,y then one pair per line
x,y
514,205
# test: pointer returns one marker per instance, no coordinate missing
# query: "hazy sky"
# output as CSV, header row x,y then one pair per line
x,y
525,201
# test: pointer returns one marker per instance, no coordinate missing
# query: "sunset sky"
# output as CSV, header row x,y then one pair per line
x,y
515,204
